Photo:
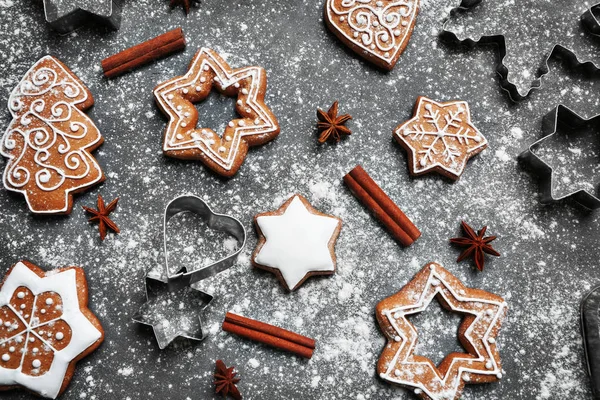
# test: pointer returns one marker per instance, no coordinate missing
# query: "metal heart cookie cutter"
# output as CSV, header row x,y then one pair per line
x,y
173,307
588,20
590,329
567,120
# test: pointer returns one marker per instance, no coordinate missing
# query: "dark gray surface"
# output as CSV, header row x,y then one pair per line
x,y
549,254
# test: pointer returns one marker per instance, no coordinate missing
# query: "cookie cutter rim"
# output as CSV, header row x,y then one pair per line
x,y
550,124
162,340
186,278
214,221
588,19
73,19
590,306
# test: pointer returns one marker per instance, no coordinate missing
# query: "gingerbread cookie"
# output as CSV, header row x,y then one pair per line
x,y
296,242
45,328
440,137
225,153
377,30
483,314
49,139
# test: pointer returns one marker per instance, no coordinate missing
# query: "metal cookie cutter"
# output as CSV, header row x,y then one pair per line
x,y
167,322
588,19
567,119
66,15
590,329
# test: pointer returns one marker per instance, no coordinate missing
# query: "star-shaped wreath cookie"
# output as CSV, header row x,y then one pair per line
x,y
440,137
225,153
483,314
45,328
296,242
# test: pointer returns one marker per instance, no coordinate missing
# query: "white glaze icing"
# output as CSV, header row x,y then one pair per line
x,y
379,28
436,128
39,133
84,333
204,61
297,242
427,294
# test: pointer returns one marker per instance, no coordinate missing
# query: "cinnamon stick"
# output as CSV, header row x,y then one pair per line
x,y
143,53
270,335
381,206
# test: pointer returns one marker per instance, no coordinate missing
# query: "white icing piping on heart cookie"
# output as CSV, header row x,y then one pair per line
x,y
440,133
84,333
46,132
381,28
435,281
261,124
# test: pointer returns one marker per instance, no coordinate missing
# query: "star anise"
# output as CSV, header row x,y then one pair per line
x,y
185,3
476,245
101,215
225,380
330,125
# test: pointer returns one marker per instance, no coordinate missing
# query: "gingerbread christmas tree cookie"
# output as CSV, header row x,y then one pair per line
x,y
45,328
483,314
377,30
49,139
225,153
439,138
296,242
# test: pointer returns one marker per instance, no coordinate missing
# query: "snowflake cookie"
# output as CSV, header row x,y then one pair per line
x,y
224,154
296,242
440,137
483,314
45,328
377,30
49,139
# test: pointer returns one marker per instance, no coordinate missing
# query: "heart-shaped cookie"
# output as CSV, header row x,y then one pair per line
x,y
377,30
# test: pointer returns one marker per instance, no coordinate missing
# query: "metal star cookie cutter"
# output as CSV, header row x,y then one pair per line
x,y
588,19
180,283
67,15
569,120
590,330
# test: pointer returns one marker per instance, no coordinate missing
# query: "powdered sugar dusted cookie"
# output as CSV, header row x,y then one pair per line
x,y
224,153
45,328
440,137
378,30
49,139
483,314
296,242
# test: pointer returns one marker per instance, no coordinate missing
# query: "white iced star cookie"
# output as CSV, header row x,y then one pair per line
x,y
296,242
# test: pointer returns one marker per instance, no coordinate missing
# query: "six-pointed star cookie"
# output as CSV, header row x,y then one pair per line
x,y
46,328
440,137
296,242
173,309
483,314
223,154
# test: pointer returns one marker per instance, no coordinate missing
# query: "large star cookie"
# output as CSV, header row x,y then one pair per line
x,y
377,30
483,314
440,137
49,139
296,242
45,328
224,153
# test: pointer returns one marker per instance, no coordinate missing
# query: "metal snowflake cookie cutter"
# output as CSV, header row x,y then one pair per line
x,y
588,19
590,330
177,322
567,120
67,15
